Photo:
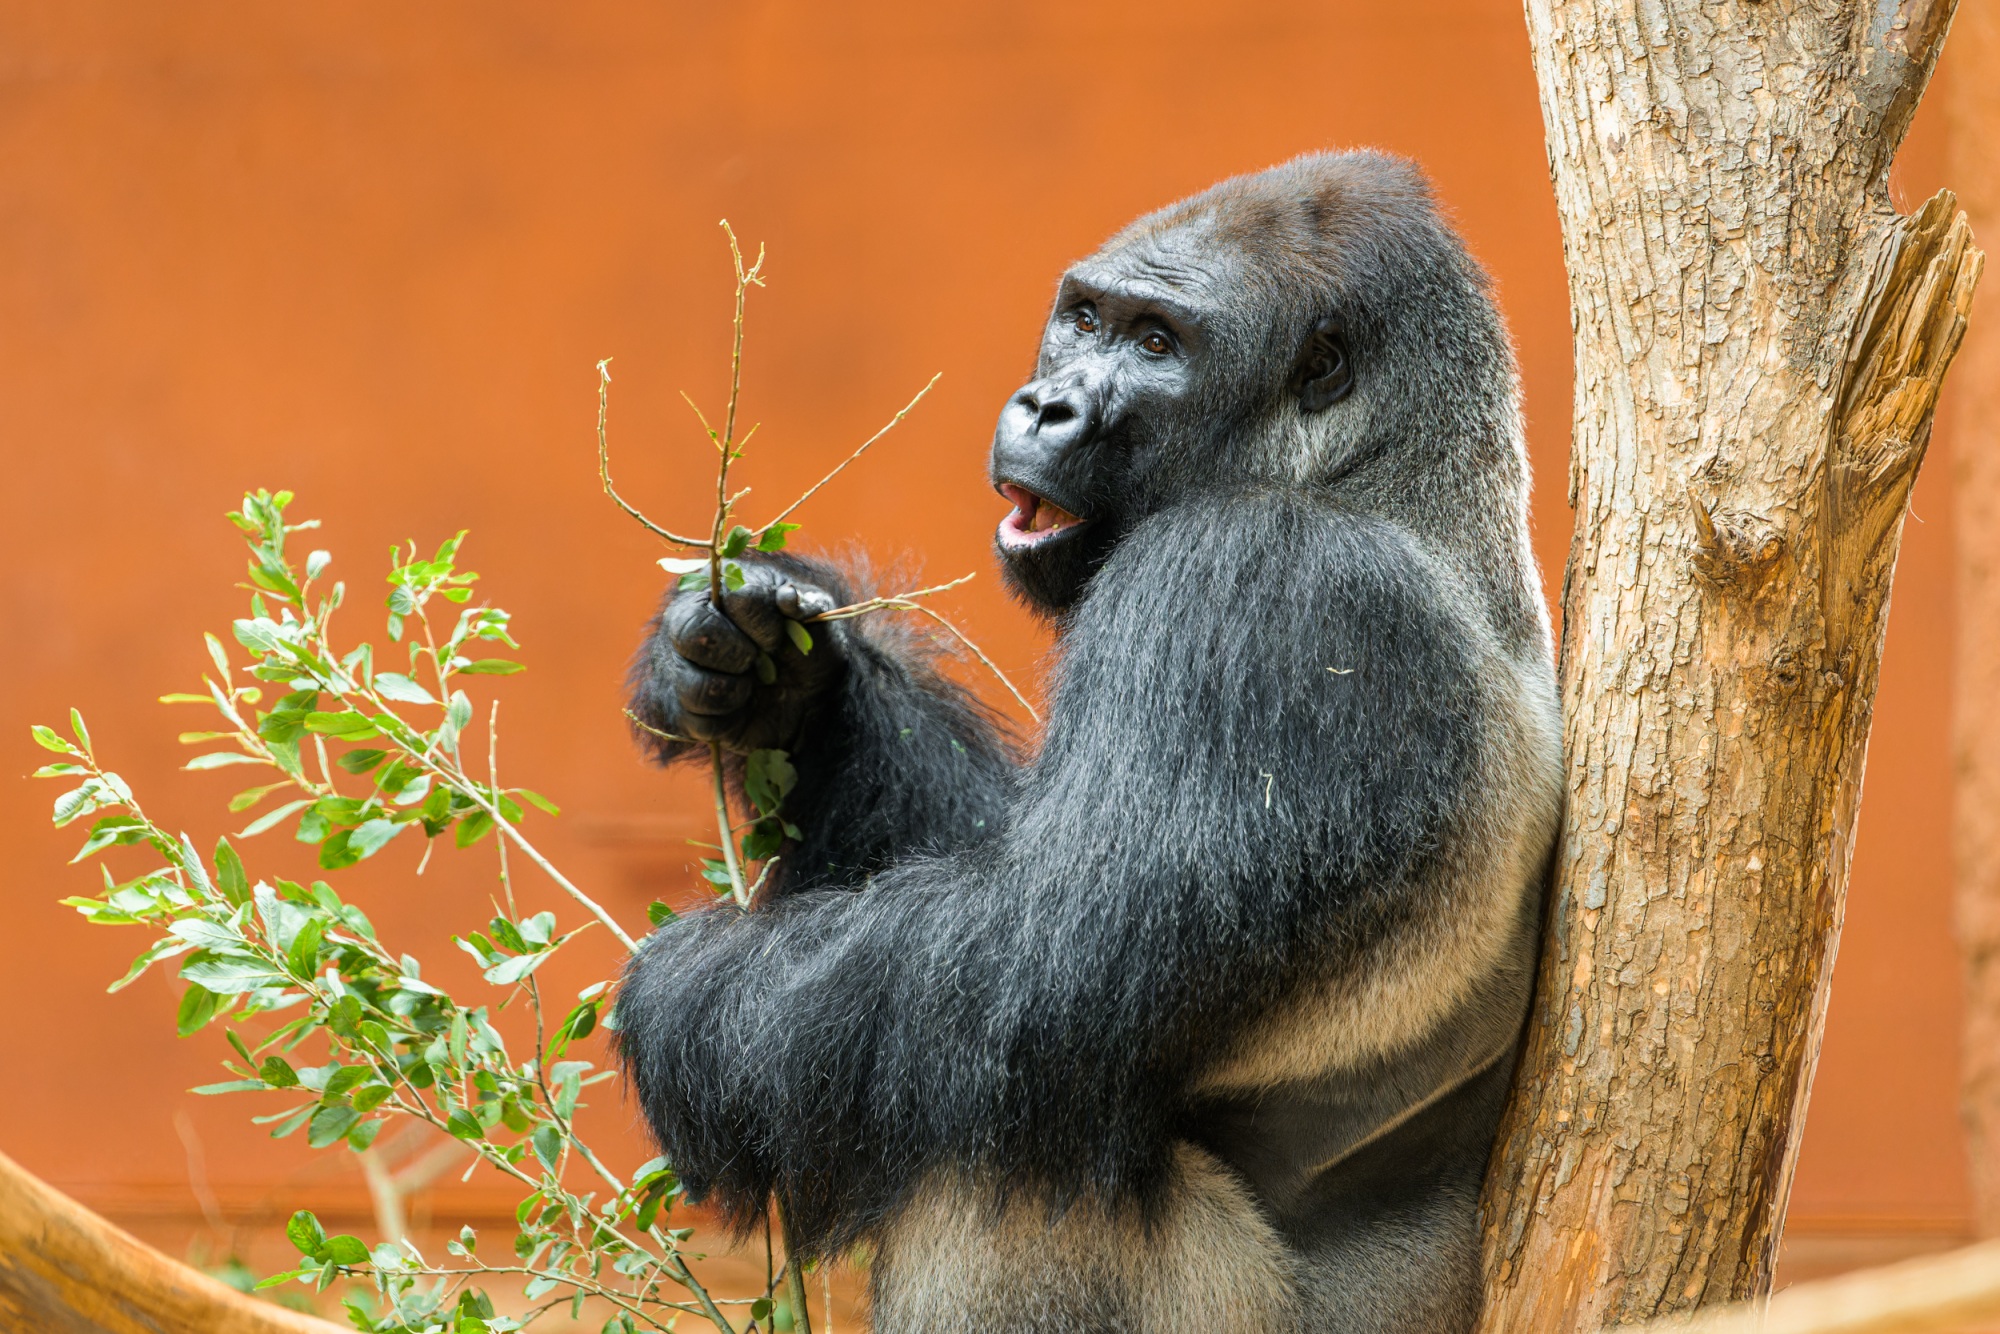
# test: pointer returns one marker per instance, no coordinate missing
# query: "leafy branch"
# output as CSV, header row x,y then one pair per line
x,y
345,1033
359,745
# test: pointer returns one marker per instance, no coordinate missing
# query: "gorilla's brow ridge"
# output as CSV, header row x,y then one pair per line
x,y
1110,287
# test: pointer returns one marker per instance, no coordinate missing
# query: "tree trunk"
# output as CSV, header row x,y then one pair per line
x,y
64,1270
1760,339
1975,160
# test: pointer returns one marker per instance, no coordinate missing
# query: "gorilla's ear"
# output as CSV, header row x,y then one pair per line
x,y
1322,376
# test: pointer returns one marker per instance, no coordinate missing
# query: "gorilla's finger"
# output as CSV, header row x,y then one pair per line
x,y
802,604
708,638
754,608
699,728
711,693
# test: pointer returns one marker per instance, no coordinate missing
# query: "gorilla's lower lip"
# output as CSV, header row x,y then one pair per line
x,y
1036,519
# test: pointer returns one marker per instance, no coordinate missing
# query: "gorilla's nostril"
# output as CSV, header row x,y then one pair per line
x,y
1055,413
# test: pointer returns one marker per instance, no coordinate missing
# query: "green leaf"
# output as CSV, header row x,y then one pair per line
x,y
249,797
737,541
198,1007
330,1125
513,970
768,778
231,977
230,1086
288,1124
344,1019
269,818
464,1125
229,874
539,930
317,562
473,828
393,685
579,1023
658,913
372,836
345,726
303,956
492,667
277,1072
548,1143
773,538
60,770
361,761
204,934
312,827
78,802
76,726
305,1233
220,759
217,655
346,1250
733,577
800,636
762,841
537,800
339,852
111,830
46,738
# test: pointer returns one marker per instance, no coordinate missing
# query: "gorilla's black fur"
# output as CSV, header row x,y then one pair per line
x,y
1202,1017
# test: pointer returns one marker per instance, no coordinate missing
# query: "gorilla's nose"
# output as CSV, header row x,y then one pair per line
x,y
1058,416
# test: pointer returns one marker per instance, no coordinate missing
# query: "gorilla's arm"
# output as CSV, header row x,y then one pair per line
x,y
893,759
1263,729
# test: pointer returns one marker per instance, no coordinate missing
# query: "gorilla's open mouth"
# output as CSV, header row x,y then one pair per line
x,y
1035,520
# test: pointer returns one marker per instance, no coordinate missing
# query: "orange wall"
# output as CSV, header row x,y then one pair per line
x,y
372,251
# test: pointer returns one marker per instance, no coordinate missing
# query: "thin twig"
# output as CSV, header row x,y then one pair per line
x,y
604,462
727,445
647,727
839,467
892,602
906,602
980,654
795,1277
736,888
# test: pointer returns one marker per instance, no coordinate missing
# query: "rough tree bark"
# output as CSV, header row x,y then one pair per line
x,y
1760,339
1975,160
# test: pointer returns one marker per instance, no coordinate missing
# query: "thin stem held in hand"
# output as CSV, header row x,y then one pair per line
x,y
604,463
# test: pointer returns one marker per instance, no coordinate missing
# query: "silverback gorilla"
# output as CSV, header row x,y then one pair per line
x,y
1202,1017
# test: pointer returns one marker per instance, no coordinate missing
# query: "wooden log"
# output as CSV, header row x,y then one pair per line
x,y
1935,1293
64,1270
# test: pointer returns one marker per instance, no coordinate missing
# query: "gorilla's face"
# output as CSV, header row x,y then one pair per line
x,y
1147,375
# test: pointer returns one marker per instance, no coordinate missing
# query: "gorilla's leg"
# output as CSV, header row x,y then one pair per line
x,y
957,1261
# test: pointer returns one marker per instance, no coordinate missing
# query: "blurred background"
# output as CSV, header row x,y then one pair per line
x,y
372,252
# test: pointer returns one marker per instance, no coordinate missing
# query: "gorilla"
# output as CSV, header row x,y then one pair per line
x,y
1201,1015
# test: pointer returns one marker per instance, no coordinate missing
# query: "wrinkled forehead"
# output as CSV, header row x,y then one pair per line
x,y
1184,268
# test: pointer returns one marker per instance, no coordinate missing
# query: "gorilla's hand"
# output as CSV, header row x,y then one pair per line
x,y
750,674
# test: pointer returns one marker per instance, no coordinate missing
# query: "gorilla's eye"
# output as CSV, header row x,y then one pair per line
x,y
1157,343
1086,321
